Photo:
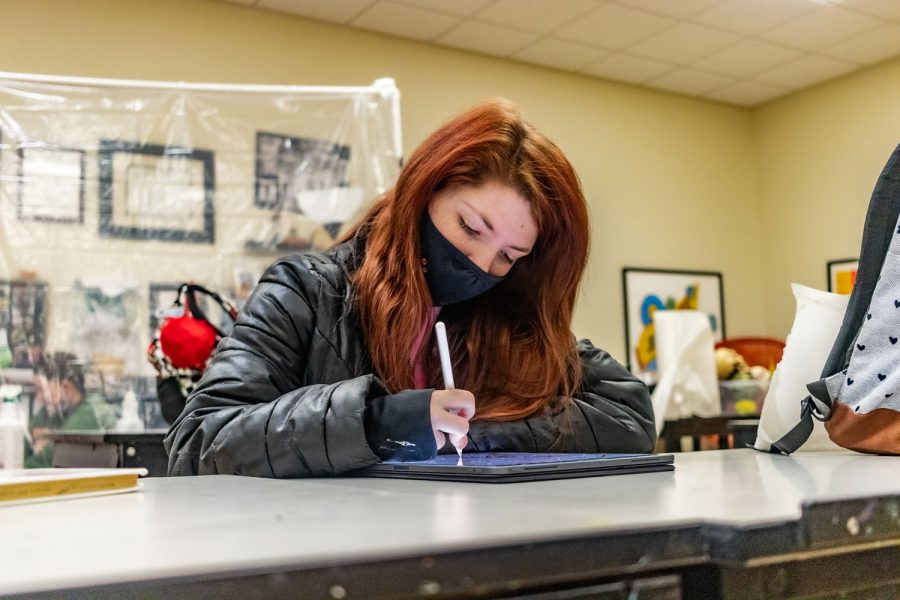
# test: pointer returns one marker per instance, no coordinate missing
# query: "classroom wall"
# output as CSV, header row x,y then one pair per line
x,y
672,182
820,152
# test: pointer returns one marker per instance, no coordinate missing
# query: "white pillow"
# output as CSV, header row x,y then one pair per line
x,y
816,325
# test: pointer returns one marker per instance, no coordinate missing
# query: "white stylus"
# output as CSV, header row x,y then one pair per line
x,y
446,366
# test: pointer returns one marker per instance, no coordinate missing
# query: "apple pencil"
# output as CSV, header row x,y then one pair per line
x,y
446,366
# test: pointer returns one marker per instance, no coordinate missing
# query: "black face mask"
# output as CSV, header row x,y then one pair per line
x,y
451,276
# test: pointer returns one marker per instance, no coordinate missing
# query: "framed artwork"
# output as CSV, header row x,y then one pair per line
x,y
23,316
288,166
648,290
154,192
50,184
842,275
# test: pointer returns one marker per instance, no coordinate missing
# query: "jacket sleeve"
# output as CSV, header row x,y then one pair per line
x,y
252,414
610,413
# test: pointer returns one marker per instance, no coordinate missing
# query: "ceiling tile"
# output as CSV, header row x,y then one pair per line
x,y
743,52
483,37
886,9
538,16
746,93
405,21
614,26
683,43
680,9
752,16
560,54
873,46
689,81
336,12
824,26
807,70
462,8
624,67
746,57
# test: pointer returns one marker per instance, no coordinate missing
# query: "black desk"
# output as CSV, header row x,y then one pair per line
x,y
110,449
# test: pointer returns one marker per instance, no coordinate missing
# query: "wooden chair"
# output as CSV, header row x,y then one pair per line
x,y
730,431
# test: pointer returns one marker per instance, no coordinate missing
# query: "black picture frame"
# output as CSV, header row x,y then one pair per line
x,y
637,285
28,182
153,160
285,163
834,267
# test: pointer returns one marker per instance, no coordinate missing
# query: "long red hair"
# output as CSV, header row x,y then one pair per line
x,y
512,346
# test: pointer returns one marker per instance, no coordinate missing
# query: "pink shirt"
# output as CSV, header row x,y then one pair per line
x,y
416,358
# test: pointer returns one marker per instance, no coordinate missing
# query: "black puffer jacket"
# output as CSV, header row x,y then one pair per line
x,y
291,392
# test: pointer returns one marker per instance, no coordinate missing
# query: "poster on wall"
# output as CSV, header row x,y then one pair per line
x,y
648,290
306,177
23,320
286,165
842,275
104,318
154,192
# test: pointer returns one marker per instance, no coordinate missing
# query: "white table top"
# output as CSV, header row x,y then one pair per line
x,y
191,526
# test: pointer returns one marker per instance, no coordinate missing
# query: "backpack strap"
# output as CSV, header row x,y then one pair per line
x,y
815,406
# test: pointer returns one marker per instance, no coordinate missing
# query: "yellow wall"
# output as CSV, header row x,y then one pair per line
x,y
672,182
820,153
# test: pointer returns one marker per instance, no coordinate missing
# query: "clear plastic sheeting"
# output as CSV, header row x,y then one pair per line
x,y
113,192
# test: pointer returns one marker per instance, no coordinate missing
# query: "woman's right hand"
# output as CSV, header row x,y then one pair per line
x,y
451,411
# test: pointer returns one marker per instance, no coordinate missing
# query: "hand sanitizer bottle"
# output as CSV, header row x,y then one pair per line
x,y
130,420
12,430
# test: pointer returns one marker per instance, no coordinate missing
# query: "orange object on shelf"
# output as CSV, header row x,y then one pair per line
x,y
763,351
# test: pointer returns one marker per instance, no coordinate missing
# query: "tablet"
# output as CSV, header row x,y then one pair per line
x,y
505,467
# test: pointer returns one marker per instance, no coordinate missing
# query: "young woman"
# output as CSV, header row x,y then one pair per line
x,y
332,364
